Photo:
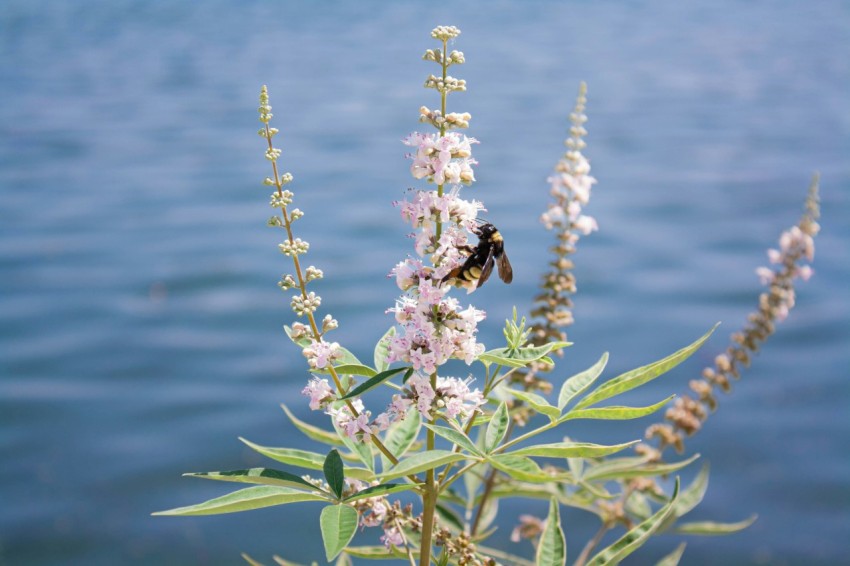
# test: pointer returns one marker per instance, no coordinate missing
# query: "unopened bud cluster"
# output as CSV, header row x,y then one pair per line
x,y
451,120
445,33
445,85
796,246
304,302
436,55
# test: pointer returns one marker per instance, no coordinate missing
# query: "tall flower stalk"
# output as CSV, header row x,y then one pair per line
x,y
570,189
790,261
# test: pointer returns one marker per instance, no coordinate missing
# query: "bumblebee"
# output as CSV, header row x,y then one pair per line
x,y
475,271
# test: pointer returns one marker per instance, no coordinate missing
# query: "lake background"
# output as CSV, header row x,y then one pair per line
x,y
140,324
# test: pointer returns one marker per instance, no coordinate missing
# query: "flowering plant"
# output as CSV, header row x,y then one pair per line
x,y
396,468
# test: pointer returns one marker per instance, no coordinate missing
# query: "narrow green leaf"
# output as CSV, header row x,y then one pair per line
x,y
633,468
497,428
552,548
524,468
265,476
334,473
354,369
338,523
581,381
374,381
343,560
537,402
521,357
571,450
250,560
504,557
378,552
378,490
637,505
635,538
673,558
614,413
314,432
245,500
362,449
401,435
382,348
692,496
423,461
641,375
456,437
711,528
291,456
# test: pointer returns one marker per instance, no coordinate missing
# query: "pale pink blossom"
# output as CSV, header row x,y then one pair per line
x,y
320,393
392,536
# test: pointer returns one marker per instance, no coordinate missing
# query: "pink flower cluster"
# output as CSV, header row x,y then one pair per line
x,y
442,159
571,183
426,208
794,244
434,329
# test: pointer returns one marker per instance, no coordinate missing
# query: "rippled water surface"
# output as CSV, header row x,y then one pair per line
x,y
140,325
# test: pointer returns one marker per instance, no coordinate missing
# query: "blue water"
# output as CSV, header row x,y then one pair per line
x,y
139,318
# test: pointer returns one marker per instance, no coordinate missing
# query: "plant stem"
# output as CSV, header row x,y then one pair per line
x,y
591,544
429,496
302,286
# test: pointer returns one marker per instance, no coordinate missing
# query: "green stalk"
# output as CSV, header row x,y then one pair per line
x,y
429,496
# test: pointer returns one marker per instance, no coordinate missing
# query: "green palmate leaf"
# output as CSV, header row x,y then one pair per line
x,y
423,461
456,437
673,558
401,435
581,381
265,476
338,523
711,528
625,468
378,552
520,357
334,474
524,468
641,375
538,403
571,450
354,369
382,348
552,548
636,537
362,449
379,490
245,500
374,381
614,413
314,432
497,428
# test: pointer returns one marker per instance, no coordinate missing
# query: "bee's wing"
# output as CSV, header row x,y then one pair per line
x,y
487,269
506,273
